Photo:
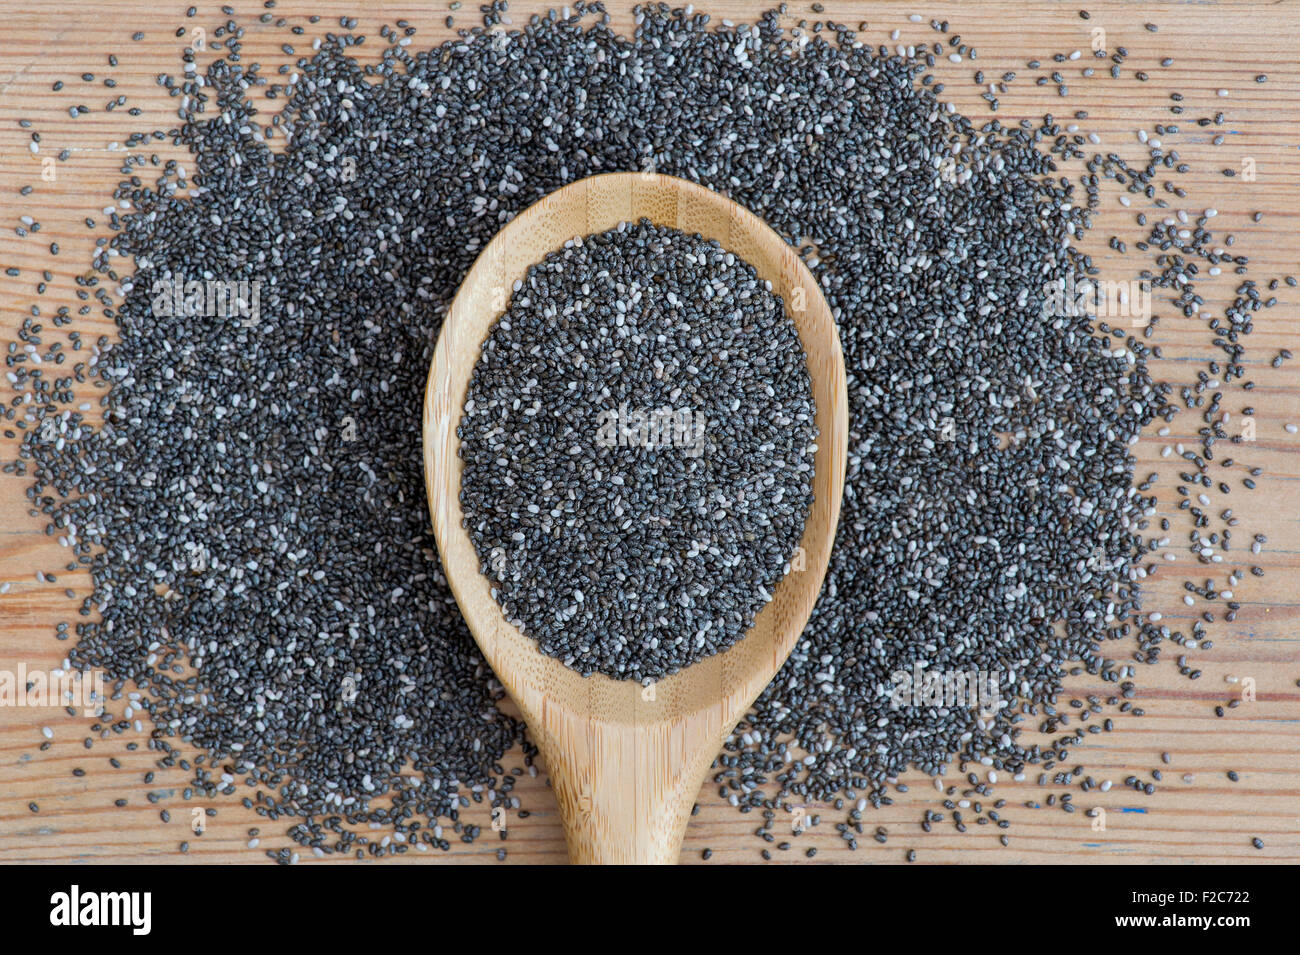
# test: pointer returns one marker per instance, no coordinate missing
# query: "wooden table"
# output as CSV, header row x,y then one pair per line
x,y
1215,46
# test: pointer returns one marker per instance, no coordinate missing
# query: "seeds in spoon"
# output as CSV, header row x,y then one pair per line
x,y
638,440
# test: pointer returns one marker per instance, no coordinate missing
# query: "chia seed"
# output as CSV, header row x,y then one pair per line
x,y
250,510
636,548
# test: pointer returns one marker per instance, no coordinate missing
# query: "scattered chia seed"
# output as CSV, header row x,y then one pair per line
x,y
250,510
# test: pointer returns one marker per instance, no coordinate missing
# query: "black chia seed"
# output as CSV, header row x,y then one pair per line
x,y
638,441
250,510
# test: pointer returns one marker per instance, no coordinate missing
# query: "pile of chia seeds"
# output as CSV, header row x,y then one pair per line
x,y
251,510
638,441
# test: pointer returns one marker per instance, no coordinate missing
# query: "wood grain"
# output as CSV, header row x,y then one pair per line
x,y
625,761
1214,46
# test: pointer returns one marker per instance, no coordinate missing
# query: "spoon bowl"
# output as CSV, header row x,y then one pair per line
x,y
626,761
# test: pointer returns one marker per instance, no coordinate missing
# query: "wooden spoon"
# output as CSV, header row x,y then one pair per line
x,y
625,761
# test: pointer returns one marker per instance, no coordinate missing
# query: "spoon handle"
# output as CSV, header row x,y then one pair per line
x,y
625,792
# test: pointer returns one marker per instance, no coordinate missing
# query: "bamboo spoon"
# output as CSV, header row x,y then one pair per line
x,y
626,762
